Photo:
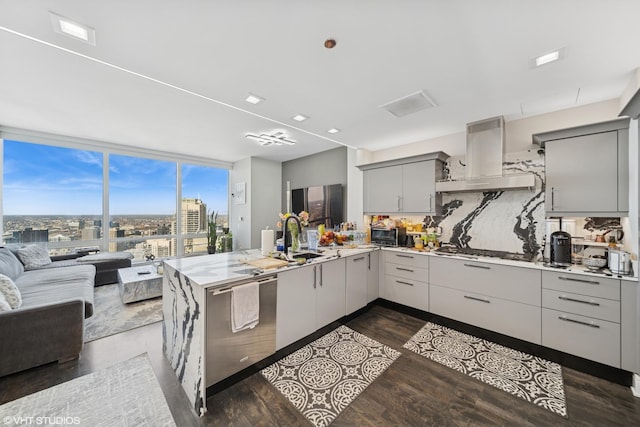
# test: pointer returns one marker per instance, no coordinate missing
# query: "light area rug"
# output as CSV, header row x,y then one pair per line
x,y
528,377
112,316
325,376
126,394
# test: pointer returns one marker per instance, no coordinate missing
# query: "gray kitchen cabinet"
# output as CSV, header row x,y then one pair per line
x,y
357,274
373,275
629,326
403,185
500,298
581,316
587,169
309,298
383,189
330,292
296,305
405,279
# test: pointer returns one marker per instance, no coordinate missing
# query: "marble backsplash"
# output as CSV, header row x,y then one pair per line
x,y
512,220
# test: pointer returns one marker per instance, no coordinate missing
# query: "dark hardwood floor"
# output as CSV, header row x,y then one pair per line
x,y
414,391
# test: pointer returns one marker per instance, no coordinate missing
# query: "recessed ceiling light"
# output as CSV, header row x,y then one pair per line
x,y
67,27
299,118
253,99
547,58
333,130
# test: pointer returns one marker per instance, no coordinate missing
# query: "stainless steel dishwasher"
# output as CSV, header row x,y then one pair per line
x,y
228,353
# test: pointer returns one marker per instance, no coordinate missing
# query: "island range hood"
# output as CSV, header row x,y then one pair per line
x,y
483,162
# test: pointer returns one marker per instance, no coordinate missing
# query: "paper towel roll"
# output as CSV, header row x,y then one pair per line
x,y
267,242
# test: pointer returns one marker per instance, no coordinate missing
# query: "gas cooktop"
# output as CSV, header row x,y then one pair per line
x,y
455,250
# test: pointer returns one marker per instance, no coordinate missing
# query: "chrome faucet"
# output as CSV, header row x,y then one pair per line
x,y
284,231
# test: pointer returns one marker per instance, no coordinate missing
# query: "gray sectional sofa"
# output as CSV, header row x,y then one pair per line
x,y
48,326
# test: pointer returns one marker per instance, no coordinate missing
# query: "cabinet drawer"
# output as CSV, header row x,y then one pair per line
x,y
407,258
406,291
599,308
500,281
582,336
407,272
594,286
506,317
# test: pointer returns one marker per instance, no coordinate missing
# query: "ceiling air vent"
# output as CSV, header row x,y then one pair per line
x,y
409,104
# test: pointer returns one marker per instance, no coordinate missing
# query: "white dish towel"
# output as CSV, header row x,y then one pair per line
x,y
245,306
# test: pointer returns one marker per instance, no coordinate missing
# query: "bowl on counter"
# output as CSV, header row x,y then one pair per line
x,y
594,262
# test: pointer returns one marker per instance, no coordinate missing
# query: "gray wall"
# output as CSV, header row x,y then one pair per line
x,y
325,168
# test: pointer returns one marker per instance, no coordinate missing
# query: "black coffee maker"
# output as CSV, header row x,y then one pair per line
x,y
560,254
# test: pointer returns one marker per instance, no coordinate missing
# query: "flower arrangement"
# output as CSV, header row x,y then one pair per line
x,y
292,227
303,217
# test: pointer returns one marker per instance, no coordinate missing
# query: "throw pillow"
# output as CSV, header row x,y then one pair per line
x,y
4,305
34,256
10,265
10,291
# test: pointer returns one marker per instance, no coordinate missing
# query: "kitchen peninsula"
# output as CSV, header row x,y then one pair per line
x,y
194,317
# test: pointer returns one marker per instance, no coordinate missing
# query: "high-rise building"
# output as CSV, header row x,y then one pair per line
x,y
29,235
194,216
91,233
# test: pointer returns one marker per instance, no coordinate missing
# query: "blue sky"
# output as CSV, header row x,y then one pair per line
x,y
48,180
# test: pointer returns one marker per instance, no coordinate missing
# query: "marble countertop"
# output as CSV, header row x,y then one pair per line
x,y
210,271
578,269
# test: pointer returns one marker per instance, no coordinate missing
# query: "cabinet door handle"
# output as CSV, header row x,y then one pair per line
x,y
571,279
567,319
478,266
358,259
430,202
398,199
320,275
314,277
404,283
552,197
593,303
369,261
404,269
404,256
477,299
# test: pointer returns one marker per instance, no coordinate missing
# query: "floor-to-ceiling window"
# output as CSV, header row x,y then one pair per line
x,y
69,198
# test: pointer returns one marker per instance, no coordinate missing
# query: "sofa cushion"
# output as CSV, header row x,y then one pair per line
x,y
105,256
57,284
10,292
34,256
4,305
10,266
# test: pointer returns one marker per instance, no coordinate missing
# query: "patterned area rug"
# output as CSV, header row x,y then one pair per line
x,y
531,378
324,377
126,394
112,316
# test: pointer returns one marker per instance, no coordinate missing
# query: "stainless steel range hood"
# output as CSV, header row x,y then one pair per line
x,y
483,163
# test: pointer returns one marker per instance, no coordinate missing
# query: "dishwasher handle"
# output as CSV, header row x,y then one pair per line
x,y
261,281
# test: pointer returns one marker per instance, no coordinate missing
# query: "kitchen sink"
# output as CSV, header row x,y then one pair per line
x,y
305,255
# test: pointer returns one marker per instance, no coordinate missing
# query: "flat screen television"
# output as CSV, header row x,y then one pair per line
x,y
323,202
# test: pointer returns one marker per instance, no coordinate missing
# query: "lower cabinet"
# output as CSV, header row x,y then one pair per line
x,y
406,279
500,298
506,317
581,316
309,298
357,269
373,275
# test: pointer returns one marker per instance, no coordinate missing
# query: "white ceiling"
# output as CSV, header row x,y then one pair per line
x,y
172,75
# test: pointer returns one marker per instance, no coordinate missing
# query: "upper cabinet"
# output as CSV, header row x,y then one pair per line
x,y
404,185
587,169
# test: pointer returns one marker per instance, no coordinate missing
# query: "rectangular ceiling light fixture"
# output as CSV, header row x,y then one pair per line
x,y
277,137
409,104
547,58
333,130
253,99
67,27
299,118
